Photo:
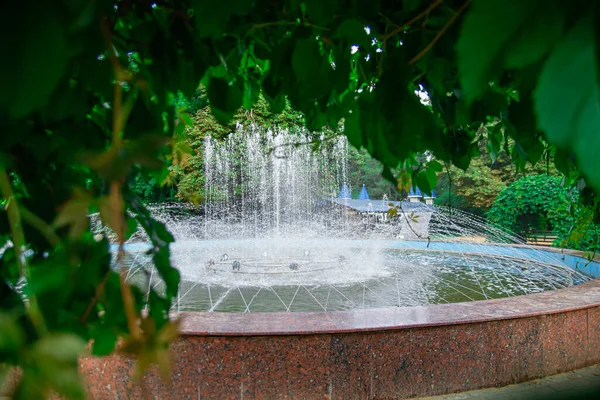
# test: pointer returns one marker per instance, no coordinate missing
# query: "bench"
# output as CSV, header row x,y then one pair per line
x,y
541,238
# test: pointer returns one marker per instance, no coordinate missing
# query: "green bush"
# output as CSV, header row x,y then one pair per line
x,y
149,190
541,203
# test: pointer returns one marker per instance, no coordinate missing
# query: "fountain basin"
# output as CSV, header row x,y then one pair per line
x,y
336,275
393,352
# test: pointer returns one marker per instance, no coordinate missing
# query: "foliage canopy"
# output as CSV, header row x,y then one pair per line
x,y
88,99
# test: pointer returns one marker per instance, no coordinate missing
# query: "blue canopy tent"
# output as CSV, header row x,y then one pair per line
x,y
432,195
363,195
344,193
415,192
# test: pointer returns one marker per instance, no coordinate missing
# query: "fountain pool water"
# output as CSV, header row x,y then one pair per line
x,y
271,237
367,278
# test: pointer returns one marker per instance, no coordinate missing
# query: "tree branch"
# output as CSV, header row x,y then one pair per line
x,y
410,22
285,23
440,33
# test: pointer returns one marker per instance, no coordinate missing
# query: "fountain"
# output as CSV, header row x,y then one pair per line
x,y
276,233
290,287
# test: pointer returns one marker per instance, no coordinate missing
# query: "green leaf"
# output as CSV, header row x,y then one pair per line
x,y
410,5
225,98
55,358
161,239
212,16
535,152
563,162
277,104
426,180
567,99
159,309
131,226
105,340
353,31
312,74
322,12
48,275
251,93
306,60
522,119
404,181
11,335
36,56
497,34
186,119
435,166
75,213
537,37
439,70
352,129
494,141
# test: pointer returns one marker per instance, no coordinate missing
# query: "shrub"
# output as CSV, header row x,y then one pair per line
x,y
540,202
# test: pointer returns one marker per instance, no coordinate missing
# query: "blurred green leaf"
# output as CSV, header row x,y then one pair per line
x,y
306,60
74,213
56,361
322,12
105,340
225,98
353,32
567,100
12,336
487,41
33,40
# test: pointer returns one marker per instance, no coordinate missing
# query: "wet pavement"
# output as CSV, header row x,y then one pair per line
x,y
579,384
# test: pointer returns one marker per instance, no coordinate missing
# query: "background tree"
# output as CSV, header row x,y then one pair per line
x,y
190,175
365,170
476,188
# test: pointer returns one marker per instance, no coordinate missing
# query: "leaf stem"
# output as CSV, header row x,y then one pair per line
x,y
99,290
409,225
18,239
41,226
120,115
14,219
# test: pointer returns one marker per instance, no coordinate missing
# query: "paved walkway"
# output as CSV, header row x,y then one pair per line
x,y
577,385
